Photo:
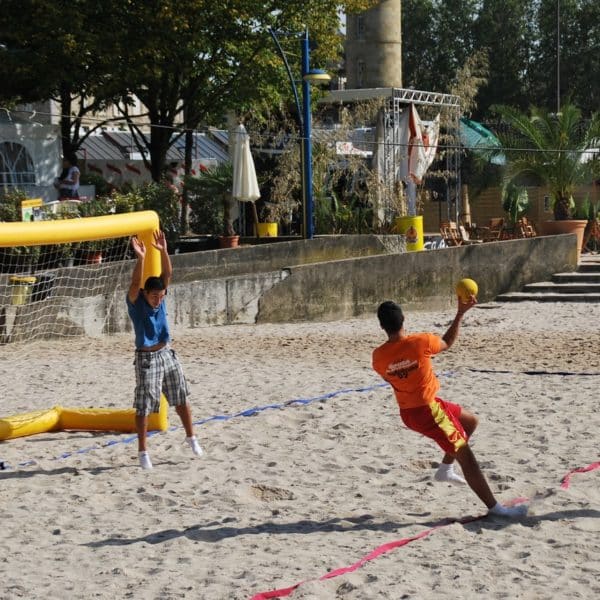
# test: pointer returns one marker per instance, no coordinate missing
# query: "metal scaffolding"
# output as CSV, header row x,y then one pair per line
x,y
394,151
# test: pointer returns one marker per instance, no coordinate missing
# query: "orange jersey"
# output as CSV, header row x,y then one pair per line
x,y
406,365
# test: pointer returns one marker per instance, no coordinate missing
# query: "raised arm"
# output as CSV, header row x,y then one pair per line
x,y
138,271
160,243
452,333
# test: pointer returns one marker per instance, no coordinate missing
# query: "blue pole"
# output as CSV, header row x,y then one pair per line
x,y
307,194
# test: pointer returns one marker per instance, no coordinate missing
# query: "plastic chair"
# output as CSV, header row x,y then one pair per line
x,y
450,233
466,238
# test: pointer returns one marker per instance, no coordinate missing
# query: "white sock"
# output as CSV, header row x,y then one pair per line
x,y
144,459
194,445
447,474
508,511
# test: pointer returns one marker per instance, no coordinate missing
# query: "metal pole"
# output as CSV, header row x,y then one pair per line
x,y
557,56
307,194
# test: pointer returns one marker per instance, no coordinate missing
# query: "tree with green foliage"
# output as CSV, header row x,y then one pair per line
x,y
62,51
197,59
184,60
417,56
575,24
437,39
504,32
521,40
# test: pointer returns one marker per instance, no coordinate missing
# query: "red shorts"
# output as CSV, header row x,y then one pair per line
x,y
438,421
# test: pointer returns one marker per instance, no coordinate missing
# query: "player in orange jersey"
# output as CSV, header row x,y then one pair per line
x,y
404,361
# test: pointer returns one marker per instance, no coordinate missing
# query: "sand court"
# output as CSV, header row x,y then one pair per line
x,y
318,480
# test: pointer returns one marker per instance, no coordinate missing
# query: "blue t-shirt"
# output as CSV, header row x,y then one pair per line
x,y
150,324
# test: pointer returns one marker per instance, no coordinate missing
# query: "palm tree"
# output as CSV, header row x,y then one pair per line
x,y
552,147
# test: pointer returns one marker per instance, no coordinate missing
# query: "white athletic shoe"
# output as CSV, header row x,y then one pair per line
x,y
145,461
510,512
446,473
195,446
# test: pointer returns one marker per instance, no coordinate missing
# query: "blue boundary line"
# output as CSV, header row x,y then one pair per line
x,y
250,412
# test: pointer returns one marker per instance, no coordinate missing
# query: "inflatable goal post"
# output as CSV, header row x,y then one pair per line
x,y
51,291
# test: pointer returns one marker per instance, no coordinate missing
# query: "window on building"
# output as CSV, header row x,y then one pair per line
x,y
360,73
16,165
360,27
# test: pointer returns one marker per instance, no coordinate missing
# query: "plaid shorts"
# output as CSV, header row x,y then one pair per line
x,y
157,372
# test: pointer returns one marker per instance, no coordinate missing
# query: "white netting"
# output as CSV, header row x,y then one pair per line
x,y
52,294
59,291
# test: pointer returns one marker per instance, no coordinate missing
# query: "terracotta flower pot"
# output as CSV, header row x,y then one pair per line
x,y
229,241
575,226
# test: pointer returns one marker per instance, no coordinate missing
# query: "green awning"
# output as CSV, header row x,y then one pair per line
x,y
477,138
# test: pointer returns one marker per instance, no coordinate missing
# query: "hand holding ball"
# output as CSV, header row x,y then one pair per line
x,y
466,288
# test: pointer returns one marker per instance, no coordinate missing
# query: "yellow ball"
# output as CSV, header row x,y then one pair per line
x,y
466,288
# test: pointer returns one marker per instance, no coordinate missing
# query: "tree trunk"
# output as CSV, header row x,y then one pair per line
x,y
65,120
228,224
159,145
562,208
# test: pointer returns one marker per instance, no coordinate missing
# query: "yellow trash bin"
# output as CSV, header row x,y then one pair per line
x,y
412,229
21,288
266,229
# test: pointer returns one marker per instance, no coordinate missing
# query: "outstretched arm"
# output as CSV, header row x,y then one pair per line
x,y
138,271
160,243
450,336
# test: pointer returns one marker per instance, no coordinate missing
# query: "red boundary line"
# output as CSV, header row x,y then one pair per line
x,y
384,548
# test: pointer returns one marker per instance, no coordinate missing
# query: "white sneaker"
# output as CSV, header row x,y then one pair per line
x,y
510,512
195,446
448,475
145,461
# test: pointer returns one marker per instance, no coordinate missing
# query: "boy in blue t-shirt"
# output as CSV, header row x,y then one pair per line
x,y
157,368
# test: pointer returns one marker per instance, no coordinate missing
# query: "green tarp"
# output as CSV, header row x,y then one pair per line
x,y
475,137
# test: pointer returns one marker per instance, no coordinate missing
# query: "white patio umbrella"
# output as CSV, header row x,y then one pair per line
x,y
245,185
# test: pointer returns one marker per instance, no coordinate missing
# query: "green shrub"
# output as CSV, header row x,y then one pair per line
x,y
16,258
515,201
103,188
164,200
210,200
10,205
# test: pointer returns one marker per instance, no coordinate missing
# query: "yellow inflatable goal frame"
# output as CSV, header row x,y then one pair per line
x,y
37,233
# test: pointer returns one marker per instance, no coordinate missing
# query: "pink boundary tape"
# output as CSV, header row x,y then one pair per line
x,y
566,482
384,548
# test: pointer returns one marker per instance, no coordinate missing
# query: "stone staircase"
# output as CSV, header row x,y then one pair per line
x,y
582,285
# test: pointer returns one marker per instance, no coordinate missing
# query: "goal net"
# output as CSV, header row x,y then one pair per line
x,y
65,280
59,290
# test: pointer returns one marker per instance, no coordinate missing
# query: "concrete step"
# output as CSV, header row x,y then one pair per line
x,y
547,297
562,288
576,277
582,285
589,267
589,263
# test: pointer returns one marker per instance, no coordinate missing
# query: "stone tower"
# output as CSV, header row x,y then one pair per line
x,y
374,47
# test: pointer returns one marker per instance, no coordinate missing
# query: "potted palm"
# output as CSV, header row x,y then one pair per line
x,y
552,147
515,201
212,185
